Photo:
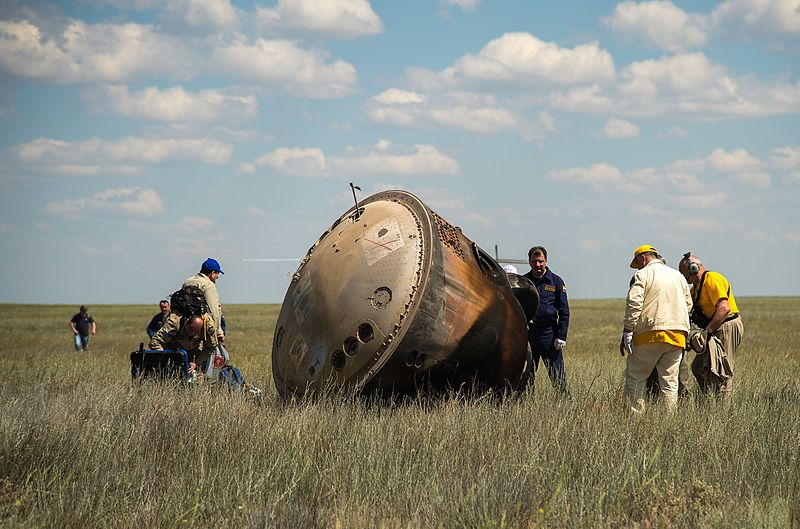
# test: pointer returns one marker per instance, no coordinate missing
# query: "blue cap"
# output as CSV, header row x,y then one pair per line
x,y
211,264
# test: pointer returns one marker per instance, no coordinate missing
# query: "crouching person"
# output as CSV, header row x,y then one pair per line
x,y
194,334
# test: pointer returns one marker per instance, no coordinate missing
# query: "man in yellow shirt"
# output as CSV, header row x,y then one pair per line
x,y
655,328
715,312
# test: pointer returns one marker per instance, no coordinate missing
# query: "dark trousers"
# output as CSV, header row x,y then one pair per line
x,y
542,346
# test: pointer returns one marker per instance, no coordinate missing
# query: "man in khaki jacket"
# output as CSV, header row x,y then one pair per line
x,y
206,279
655,327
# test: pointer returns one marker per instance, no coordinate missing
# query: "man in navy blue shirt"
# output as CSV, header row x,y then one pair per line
x,y
159,319
547,332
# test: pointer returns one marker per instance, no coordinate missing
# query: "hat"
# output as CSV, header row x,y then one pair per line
x,y
510,269
211,264
639,251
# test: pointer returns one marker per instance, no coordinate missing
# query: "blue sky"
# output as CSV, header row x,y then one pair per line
x,y
141,136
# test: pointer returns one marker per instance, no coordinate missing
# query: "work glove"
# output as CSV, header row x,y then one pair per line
x,y
559,344
625,343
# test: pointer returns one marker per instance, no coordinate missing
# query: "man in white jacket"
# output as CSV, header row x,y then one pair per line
x,y
655,328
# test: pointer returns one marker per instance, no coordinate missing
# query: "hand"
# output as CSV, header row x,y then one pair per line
x,y
559,344
625,343
220,338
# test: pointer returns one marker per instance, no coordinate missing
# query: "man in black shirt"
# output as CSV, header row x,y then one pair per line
x,y
82,324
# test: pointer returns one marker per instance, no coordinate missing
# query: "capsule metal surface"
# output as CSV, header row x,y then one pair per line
x,y
392,298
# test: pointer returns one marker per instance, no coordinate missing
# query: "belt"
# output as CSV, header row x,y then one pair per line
x,y
731,317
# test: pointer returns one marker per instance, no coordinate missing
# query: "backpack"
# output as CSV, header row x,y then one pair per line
x,y
231,377
188,301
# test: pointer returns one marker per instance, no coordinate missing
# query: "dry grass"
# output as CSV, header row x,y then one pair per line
x,y
81,447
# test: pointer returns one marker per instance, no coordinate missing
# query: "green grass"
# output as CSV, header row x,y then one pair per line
x,y
81,447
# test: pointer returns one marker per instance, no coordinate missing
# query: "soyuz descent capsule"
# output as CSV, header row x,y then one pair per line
x,y
393,299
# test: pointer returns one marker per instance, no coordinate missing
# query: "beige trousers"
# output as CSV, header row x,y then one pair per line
x,y
666,359
730,335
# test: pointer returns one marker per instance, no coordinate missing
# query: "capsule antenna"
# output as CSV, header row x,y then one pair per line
x,y
353,189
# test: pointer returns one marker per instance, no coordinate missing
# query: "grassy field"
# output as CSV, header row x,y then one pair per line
x,y
81,447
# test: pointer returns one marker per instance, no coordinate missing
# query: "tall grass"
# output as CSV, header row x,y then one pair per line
x,y
81,447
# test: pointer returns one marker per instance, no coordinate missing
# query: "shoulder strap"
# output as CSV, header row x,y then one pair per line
x,y
696,297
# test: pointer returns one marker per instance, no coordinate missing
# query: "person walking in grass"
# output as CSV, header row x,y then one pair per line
x,y
82,324
655,328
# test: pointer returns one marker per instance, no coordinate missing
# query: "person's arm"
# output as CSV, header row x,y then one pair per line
x,y
633,303
72,326
212,300
153,326
165,335
562,306
94,327
721,312
633,310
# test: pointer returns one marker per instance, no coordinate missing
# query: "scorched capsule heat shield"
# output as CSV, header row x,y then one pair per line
x,y
392,298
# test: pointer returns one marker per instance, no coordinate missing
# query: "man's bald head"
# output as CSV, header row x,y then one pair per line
x,y
194,327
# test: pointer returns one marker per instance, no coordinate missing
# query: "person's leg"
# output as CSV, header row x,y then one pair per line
x,y
684,377
77,341
651,386
640,364
730,334
554,361
84,341
701,369
536,349
668,367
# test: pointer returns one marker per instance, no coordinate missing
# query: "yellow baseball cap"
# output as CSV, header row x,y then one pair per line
x,y
640,250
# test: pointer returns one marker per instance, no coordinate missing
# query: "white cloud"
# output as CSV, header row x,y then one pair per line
x,y
755,179
683,84
619,128
129,201
466,5
793,177
346,19
395,96
590,244
97,155
87,53
380,159
479,219
473,112
684,73
254,212
674,132
422,160
293,161
663,25
285,66
785,157
684,182
598,175
660,24
736,161
758,17
211,14
523,58
700,201
174,104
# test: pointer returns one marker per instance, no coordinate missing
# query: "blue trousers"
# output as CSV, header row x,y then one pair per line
x,y
81,342
542,346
